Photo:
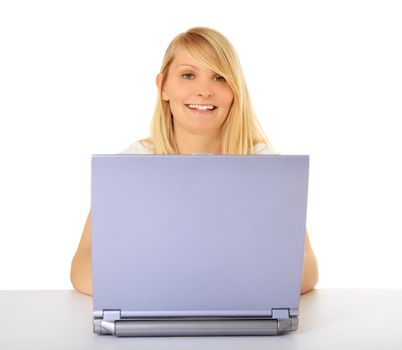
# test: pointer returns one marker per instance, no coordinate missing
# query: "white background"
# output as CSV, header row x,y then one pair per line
x,y
78,77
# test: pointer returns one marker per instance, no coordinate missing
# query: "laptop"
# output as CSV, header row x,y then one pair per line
x,y
197,245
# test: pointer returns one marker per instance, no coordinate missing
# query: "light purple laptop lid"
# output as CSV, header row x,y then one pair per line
x,y
198,235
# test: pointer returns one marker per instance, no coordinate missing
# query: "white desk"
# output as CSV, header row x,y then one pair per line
x,y
329,319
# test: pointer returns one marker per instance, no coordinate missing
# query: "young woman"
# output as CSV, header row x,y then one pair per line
x,y
203,106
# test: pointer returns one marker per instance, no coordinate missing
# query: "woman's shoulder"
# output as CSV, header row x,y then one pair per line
x,y
137,147
263,148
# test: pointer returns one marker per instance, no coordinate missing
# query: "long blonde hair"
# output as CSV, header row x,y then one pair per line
x,y
241,130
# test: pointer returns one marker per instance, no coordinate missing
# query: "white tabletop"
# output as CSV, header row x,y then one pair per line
x,y
329,319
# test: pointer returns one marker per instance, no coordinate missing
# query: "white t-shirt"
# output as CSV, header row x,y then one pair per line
x,y
137,148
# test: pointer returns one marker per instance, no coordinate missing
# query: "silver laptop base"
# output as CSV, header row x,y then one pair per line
x,y
194,327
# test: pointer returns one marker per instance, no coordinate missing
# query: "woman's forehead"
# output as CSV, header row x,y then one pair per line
x,y
184,59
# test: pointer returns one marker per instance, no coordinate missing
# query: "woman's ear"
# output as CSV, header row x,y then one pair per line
x,y
159,79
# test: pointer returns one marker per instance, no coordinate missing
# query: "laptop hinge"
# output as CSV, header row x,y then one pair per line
x,y
286,322
280,313
105,324
111,315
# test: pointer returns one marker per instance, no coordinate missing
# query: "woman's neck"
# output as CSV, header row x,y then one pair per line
x,y
190,143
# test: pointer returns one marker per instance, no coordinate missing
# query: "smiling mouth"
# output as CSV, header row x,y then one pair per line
x,y
201,107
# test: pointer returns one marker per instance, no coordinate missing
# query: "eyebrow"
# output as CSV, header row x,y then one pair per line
x,y
187,65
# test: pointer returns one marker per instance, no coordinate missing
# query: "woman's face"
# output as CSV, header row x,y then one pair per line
x,y
199,98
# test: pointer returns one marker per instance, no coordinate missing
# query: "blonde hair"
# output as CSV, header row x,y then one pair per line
x,y
241,130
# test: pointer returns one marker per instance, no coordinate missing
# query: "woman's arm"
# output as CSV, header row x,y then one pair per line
x,y
310,268
81,268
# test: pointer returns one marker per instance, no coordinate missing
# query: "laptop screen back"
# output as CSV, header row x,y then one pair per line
x,y
199,234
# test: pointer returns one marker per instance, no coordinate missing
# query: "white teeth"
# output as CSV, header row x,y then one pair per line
x,y
203,107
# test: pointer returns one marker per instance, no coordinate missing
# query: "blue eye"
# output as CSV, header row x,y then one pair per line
x,y
219,78
187,75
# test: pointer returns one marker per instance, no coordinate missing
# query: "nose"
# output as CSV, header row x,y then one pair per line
x,y
204,93
204,90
